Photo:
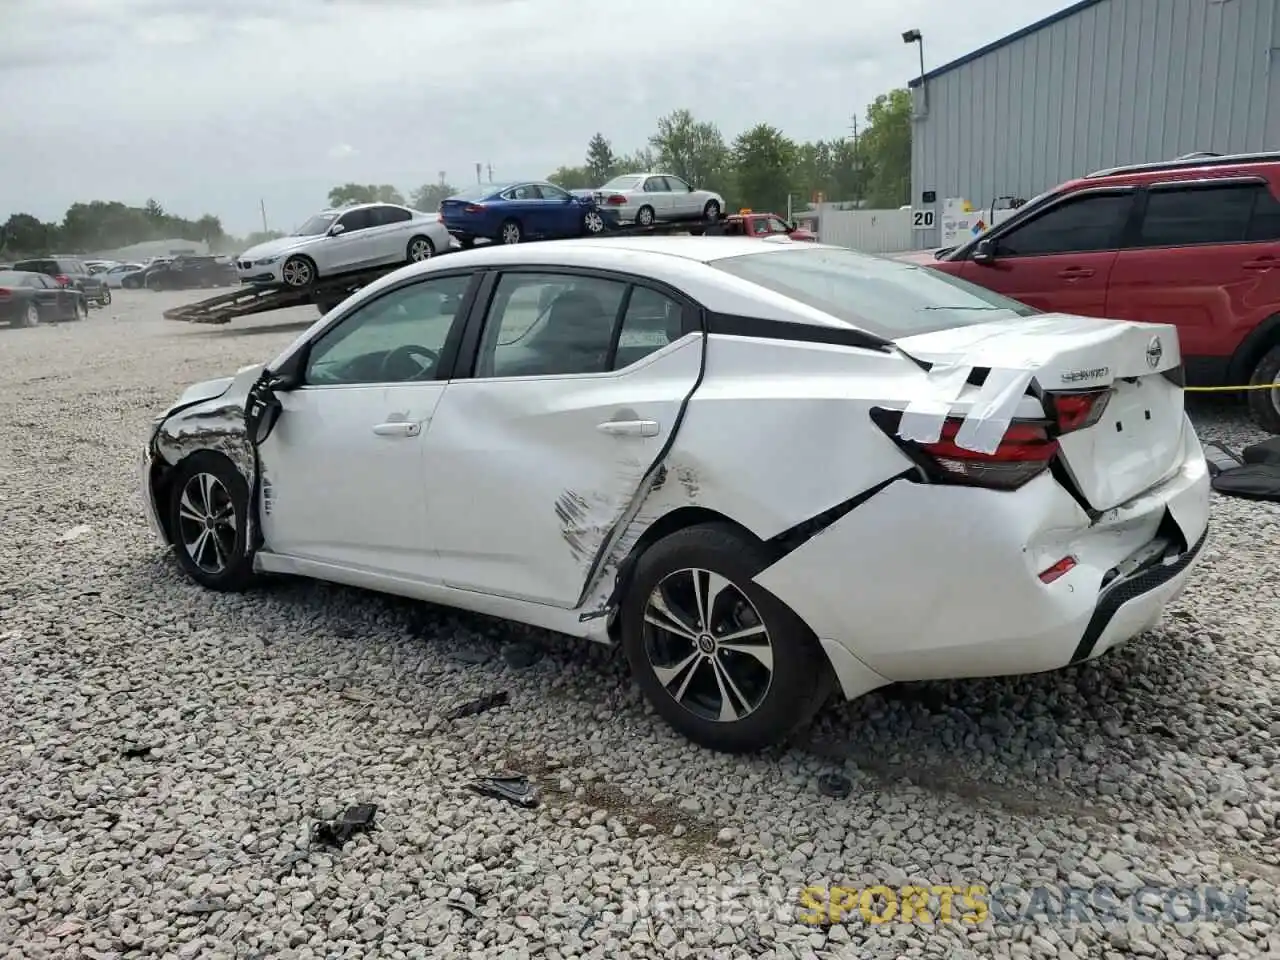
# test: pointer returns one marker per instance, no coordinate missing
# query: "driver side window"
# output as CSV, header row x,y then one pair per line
x,y
396,338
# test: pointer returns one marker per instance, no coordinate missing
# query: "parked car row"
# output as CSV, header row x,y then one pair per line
x,y
69,272
28,298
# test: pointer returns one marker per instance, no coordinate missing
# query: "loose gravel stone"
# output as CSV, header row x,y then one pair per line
x,y
1152,773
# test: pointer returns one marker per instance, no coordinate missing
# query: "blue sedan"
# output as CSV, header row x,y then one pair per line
x,y
514,212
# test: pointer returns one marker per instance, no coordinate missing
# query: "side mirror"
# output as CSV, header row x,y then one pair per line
x,y
984,252
336,229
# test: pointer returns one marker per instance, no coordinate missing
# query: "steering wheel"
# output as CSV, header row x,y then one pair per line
x,y
408,362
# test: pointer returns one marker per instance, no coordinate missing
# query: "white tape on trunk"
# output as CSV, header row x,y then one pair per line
x,y
923,418
992,411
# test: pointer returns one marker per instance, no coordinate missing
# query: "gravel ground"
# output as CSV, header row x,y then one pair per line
x,y
165,750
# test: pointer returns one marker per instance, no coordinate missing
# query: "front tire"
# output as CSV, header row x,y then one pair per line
x,y
711,212
1264,405
208,522
721,659
82,309
510,232
298,272
645,217
592,223
30,316
104,296
419,249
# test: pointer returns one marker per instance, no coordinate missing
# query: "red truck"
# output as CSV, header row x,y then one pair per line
x,y
748,223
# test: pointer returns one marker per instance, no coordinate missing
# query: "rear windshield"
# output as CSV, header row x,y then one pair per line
x,y
480,191
36,266
628,182
885,297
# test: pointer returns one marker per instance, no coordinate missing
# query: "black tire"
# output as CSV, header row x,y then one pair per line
x,y
414,242
104,296
30,317
645,216
711,212
298,272
82,308
801,678
1264,405
593,223
466,243
510,232
236,569
324,306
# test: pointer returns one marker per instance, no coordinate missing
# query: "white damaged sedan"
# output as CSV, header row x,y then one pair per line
x,y
766,470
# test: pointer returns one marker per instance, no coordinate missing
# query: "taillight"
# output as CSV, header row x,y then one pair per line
x,y
1024,453
617,200
473,208
62,280
1077,410
5,293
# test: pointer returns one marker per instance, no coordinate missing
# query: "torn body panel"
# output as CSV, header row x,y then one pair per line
x,y
208,416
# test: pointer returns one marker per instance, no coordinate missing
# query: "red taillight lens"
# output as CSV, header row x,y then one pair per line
x,y
473,208
62,280
617,200
1077,410
5,293
1025,452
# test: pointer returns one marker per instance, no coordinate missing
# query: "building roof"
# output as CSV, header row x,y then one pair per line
x,y
1026,31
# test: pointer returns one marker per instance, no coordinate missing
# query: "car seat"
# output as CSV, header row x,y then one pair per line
x,y
576,336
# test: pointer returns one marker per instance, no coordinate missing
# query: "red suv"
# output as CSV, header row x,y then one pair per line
x,y
1193,242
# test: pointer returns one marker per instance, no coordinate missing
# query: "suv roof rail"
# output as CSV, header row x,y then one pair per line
x,y
1200,159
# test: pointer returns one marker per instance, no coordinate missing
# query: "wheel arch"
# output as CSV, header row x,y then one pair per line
x,y
162,473
1251,349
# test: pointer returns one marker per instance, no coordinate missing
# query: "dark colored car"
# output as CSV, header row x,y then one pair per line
x,y
1193,242
190,273
138,279
27,299
69,272
514,212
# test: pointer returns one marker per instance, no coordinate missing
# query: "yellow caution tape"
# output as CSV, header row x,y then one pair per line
x,y
1256,386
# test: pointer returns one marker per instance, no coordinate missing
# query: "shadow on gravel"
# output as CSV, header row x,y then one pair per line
x,y
231,330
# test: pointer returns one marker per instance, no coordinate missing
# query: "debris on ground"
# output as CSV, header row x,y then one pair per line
x,y
473,656
514,788
75,533
137,751
335,833
521,656
479,705
835,785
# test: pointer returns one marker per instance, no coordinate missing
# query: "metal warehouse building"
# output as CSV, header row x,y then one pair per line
x,y
1101,83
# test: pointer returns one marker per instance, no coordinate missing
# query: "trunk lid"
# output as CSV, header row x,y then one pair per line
x,y
1137,442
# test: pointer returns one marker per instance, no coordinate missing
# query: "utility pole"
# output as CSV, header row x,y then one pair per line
x,y
857,161
262,205
479,167
491,173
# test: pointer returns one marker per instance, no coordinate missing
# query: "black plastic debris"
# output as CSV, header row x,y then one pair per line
x,y
137,751
835,785
514,788
473,656
479,705
521,656
334,833
1253,474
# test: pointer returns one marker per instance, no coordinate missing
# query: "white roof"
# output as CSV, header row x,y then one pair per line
x,y
586,251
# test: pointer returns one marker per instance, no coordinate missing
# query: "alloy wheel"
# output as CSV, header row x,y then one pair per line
x,y
712,211
32,316
296,272
510,233
708,645
419,250
593,222
645,217
207,521
106,296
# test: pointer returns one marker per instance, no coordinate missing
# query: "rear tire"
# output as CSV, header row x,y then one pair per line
x,y
644,217
592,223
104,297
206,486
774,679
1264,405
30,317
82,308
510,232
419,249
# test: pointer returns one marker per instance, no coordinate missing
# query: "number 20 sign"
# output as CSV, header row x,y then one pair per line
x,y
922,219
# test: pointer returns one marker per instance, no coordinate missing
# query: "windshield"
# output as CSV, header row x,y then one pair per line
x,y
316,225
629,182
885,297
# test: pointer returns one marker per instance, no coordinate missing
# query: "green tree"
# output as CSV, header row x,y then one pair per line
x,y
600,160
764,164
349,193
24,234
693,150
638,161
885,149
572,178
429,196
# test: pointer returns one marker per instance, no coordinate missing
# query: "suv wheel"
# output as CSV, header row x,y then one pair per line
x,y
1264,405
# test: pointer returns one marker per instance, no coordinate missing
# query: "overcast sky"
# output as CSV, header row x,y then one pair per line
x,y
209,106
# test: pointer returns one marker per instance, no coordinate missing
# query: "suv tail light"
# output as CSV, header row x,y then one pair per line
x,y
62,280
1025,452
5,293
1077,410
616,200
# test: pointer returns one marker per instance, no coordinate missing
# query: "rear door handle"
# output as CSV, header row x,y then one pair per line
x,y
1262,263
630,428
398,429
1075,273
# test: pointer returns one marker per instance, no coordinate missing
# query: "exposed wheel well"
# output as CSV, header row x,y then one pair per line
x,y
1261,339
678,519
162,474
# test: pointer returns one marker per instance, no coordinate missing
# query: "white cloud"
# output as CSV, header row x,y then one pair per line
x,y
210,111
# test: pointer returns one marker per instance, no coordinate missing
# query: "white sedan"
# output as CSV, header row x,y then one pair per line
x,y
352,238
114,276
766,469
645,198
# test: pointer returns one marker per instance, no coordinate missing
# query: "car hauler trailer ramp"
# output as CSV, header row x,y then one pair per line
x,y
327,293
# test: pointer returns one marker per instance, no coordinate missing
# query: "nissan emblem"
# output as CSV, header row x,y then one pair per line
x,y
1154,353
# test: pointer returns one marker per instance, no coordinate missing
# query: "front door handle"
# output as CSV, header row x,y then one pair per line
x,y
1075,273
398,429
630,428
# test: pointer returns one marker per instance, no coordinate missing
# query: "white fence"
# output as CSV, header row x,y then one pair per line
x,y
871,231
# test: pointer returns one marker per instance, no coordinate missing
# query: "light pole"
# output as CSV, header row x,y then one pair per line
x,y
916,37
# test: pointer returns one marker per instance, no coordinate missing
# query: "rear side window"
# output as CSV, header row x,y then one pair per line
x,y
384,216
1078,225
37,266
1181,216
885,297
